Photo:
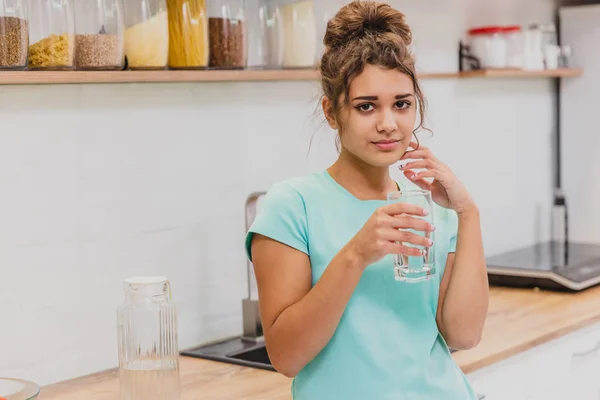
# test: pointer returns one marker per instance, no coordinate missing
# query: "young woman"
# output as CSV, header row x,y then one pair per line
x,y
333,315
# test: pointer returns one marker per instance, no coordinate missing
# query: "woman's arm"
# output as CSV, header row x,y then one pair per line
x,y
299,321
464,290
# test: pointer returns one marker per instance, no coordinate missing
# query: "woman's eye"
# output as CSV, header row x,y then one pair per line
x,y
402,104
365,107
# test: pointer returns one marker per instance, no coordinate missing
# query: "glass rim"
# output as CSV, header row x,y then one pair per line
x,y
410,192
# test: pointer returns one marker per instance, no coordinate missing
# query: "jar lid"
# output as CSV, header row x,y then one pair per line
x,y
486,30
512,28
148,286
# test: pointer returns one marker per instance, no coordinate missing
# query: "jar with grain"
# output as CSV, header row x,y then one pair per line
x,y
299,33
14,34
99,29
265,34
146,34
52,35
227,32
188,34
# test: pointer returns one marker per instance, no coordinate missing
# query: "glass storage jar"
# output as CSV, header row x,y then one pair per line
x,y
188,34
265,34
14,34
99,29
147,340
299,33
227,32
146,34
489,46
52,35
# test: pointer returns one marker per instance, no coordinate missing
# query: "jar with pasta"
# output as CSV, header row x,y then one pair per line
x,y
227,32
14,34
99,26
52,35
188,34
146,34
299,33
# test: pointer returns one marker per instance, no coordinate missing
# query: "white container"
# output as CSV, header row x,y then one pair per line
x,y
488,44
299,33
533,55
514,46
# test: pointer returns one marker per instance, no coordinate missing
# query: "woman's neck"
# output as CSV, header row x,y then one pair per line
x,y
364,181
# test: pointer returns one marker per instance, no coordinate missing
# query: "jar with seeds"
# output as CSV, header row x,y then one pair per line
x,y
99,35
52,35
227,33
14,34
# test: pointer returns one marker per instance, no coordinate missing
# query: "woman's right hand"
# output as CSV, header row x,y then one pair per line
x,y
381,234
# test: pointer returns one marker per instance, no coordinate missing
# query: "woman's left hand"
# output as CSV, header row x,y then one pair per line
x,y
446,190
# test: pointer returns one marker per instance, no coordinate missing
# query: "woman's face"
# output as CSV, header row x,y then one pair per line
x,y
378,122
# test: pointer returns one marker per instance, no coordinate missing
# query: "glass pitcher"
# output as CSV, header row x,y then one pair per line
x,y
148,345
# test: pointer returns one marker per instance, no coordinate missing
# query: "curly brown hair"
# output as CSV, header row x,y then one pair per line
x,y
361,33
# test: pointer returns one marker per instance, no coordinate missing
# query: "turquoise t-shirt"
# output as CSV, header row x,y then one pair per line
x,y
387,344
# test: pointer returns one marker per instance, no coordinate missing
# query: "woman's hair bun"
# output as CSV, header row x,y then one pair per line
x,y
359,19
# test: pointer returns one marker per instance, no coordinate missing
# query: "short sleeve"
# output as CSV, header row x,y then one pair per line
x,y
452,230
281,217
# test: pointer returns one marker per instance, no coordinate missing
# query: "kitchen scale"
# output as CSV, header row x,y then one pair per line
x,y
548,266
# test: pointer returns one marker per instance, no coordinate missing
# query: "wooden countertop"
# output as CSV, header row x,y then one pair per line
x,y
518,319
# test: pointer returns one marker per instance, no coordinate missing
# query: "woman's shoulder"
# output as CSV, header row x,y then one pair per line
x,y
302,186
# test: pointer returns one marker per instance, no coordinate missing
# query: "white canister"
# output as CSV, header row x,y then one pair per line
x,y
514,46
533,56
488,44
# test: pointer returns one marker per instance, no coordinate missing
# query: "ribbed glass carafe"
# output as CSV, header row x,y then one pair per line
x,y
148,345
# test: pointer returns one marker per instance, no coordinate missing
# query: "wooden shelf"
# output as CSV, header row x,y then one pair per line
x,y
74,77
515,73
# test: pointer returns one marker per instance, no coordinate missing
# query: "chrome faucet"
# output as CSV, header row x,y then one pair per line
x,y
253,330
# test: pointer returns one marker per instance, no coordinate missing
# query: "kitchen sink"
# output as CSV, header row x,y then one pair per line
x,y
247,353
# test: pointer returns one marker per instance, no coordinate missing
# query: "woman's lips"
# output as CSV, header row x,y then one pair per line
x,y
386,145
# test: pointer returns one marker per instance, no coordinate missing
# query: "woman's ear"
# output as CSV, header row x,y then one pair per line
x,y
328,111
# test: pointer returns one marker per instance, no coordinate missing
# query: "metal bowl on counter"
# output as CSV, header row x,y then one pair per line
x,y
18,389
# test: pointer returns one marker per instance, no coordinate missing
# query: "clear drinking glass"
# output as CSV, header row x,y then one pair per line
x,y
148,345
415,268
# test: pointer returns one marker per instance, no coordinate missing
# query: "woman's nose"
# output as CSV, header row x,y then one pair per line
x,y
387,122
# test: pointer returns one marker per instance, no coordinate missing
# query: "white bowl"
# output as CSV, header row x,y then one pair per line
x,y
18,389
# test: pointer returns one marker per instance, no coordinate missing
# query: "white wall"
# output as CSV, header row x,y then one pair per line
x,y
101,182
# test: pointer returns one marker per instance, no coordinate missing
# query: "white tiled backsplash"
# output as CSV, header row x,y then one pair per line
x,y
100,182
